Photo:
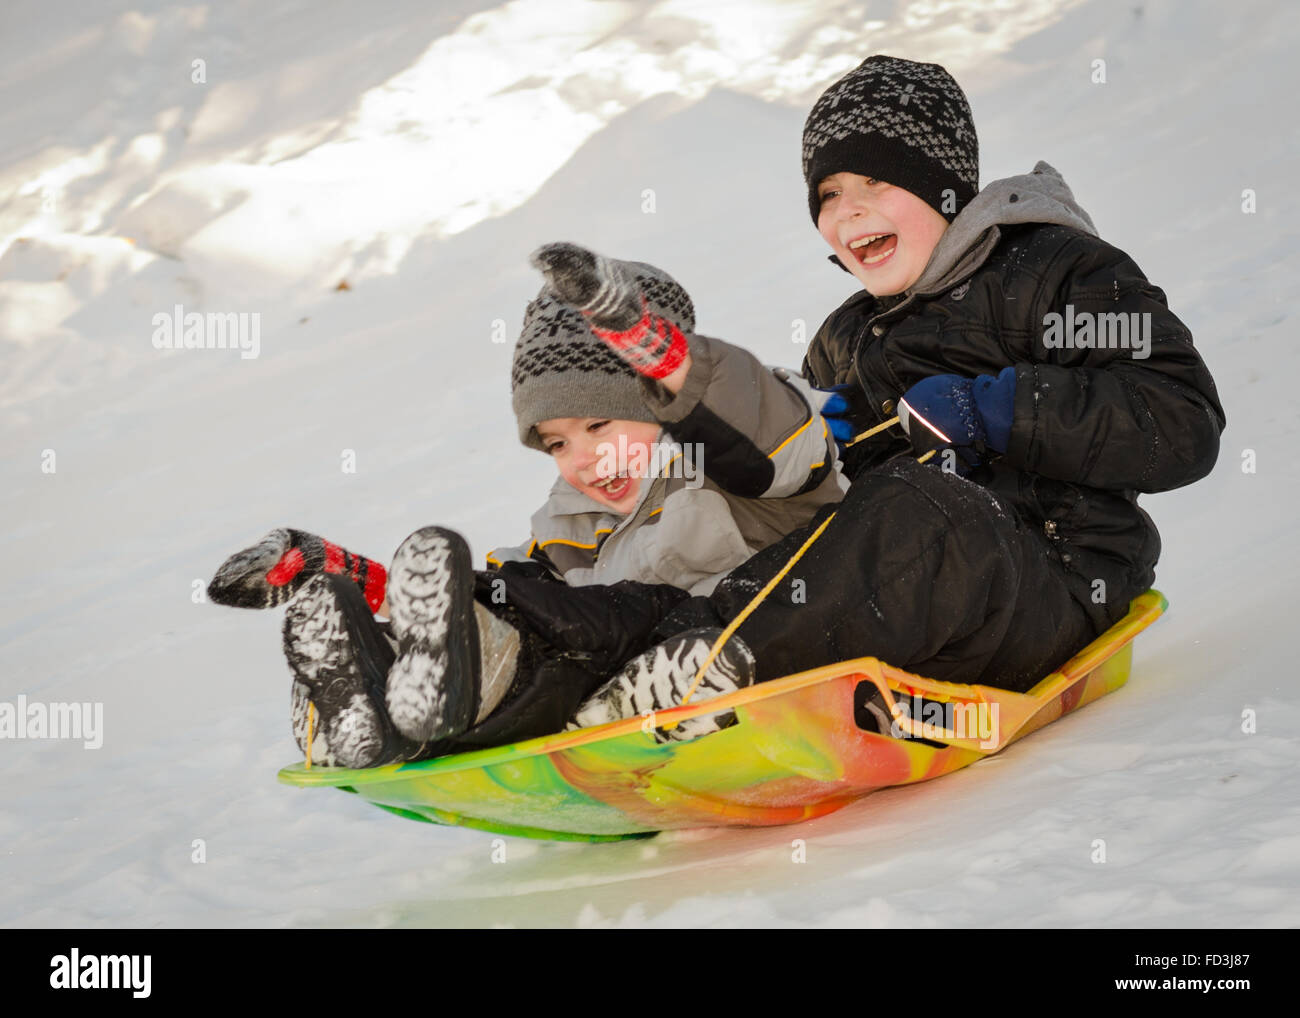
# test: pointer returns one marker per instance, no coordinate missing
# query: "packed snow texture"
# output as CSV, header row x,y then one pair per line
x,y
370,181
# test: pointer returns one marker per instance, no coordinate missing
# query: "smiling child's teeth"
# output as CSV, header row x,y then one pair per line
x,y
862,241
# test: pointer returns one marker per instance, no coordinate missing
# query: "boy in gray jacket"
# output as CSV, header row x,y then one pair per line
x,y
475,658
575,400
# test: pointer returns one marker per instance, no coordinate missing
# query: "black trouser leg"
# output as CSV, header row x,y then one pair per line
x,y
603,625
919,568
573,640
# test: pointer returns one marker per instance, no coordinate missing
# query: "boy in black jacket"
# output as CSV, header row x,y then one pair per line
x,y
1039,363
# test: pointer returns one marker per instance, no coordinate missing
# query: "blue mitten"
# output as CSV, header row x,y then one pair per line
x,y
973,415
844,407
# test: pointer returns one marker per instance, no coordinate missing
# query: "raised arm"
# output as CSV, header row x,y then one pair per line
x,y
756,426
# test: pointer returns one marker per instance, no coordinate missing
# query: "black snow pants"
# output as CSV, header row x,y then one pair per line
x,y
919,568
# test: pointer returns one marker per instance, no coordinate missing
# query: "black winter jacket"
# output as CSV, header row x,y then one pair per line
x,y
1092,427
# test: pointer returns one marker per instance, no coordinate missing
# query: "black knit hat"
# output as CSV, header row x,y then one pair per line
x,y
563,369
900,121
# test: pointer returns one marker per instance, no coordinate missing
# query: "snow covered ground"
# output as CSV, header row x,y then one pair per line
x,y
419,152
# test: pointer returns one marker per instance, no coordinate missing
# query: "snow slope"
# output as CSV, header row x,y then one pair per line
x,y
419,155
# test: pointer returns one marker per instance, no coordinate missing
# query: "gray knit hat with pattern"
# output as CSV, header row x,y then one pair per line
x,y
563,369
900,121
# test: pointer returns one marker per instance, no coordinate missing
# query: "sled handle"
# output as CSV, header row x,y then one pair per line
x,y
988,715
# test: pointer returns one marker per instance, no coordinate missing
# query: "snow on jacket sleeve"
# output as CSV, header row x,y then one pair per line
x,y
1110,418
758,428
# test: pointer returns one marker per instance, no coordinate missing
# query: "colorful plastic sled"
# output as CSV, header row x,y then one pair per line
x,y
796,752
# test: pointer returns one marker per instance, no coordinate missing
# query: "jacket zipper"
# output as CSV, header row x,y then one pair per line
x,y
863,338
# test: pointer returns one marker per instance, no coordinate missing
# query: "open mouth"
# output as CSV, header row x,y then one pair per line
x,y
874,248
614,488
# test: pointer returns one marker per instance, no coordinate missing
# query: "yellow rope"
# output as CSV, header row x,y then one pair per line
x,y
311,716
749,608
871,431
758,598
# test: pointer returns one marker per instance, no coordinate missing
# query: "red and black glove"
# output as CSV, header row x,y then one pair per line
x,y
273,570
606,291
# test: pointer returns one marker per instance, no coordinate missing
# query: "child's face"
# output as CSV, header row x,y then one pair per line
x,y
854,207
589,451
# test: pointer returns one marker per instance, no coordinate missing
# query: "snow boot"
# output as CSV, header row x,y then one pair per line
x,y
661,677
272,571
455,659
339,659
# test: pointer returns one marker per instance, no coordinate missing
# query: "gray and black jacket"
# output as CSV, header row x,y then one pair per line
x,y
758,461
1093,427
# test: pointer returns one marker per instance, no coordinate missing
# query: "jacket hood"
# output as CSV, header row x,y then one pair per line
x,y
1041,196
